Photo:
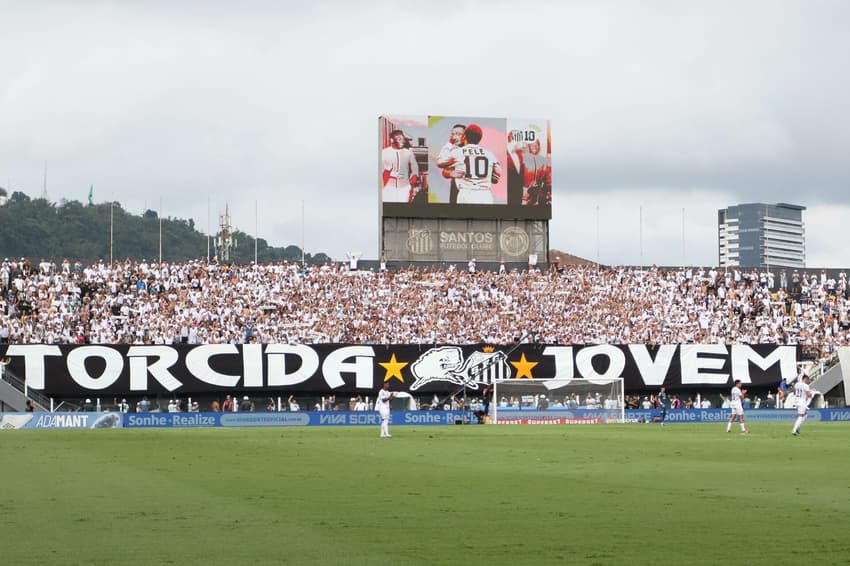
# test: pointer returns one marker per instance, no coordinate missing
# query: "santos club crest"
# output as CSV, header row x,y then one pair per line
x,y
446,363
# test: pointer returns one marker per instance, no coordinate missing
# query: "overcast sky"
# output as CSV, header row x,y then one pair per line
x,y
667,110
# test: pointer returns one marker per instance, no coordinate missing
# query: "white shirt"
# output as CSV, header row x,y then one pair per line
x,y
445,154
383,402
736,395
402,165
803,392
478,163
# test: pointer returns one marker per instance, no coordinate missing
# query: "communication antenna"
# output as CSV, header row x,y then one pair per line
x,y
44,187
224,242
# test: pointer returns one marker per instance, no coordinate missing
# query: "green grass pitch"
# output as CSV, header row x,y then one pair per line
x,y
607,494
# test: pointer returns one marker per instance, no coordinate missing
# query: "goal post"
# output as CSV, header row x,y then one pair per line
x,y
558,401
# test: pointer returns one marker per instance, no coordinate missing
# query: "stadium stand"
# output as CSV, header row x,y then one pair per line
x,y
200,302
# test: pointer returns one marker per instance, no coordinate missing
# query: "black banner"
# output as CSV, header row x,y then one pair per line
x,y
334,368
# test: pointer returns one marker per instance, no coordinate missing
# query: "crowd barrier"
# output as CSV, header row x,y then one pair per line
x,y
398,418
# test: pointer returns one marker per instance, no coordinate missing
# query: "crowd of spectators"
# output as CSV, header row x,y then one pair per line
x,y
196,302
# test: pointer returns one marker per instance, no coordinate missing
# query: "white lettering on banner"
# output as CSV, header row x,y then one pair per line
x,y
345,366
681,417
431,417
692,363
370,418
198,364
34,361
332,419
653,372
563,360
62,420
77,366
713,416
362,367
616,361
743,355
146,420
252,365
139,367
277,354
196,419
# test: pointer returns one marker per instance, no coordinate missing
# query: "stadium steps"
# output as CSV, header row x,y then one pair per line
x,y
12,394
829,380
10,398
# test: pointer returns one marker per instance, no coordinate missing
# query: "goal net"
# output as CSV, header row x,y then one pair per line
x,y
558,401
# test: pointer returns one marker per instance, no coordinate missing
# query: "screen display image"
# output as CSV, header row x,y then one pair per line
x,y
463,167
404,160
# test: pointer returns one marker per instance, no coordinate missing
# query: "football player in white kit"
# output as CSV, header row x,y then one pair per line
x,y
474,168
804,396
737,407
444,159
383,407
400,169
536,171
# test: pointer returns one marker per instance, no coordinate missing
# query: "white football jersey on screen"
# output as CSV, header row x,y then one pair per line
x,y
477,163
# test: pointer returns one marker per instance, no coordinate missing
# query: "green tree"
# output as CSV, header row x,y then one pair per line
x,y
36,228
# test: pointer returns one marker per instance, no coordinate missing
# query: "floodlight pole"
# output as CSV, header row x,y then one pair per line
x,y
597,237
111,227
684,260
641,237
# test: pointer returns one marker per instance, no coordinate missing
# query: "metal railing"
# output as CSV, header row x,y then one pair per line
x,y
41,401
823,366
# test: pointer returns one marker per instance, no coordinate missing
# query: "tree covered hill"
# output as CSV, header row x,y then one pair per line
x,y
37,228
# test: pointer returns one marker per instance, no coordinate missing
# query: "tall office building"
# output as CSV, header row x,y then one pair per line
x,y
762,235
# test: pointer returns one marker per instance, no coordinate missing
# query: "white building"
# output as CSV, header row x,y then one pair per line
x,y
761,235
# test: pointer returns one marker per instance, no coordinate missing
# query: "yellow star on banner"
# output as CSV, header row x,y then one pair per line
x,y
393,368
523,367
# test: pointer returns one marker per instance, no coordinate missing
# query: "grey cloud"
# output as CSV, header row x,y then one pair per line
x,y
672,105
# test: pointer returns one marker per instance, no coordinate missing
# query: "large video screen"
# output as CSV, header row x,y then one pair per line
x,y
462,167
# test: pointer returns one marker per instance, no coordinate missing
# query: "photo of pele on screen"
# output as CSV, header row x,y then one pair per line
x,y
466,160
529,163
